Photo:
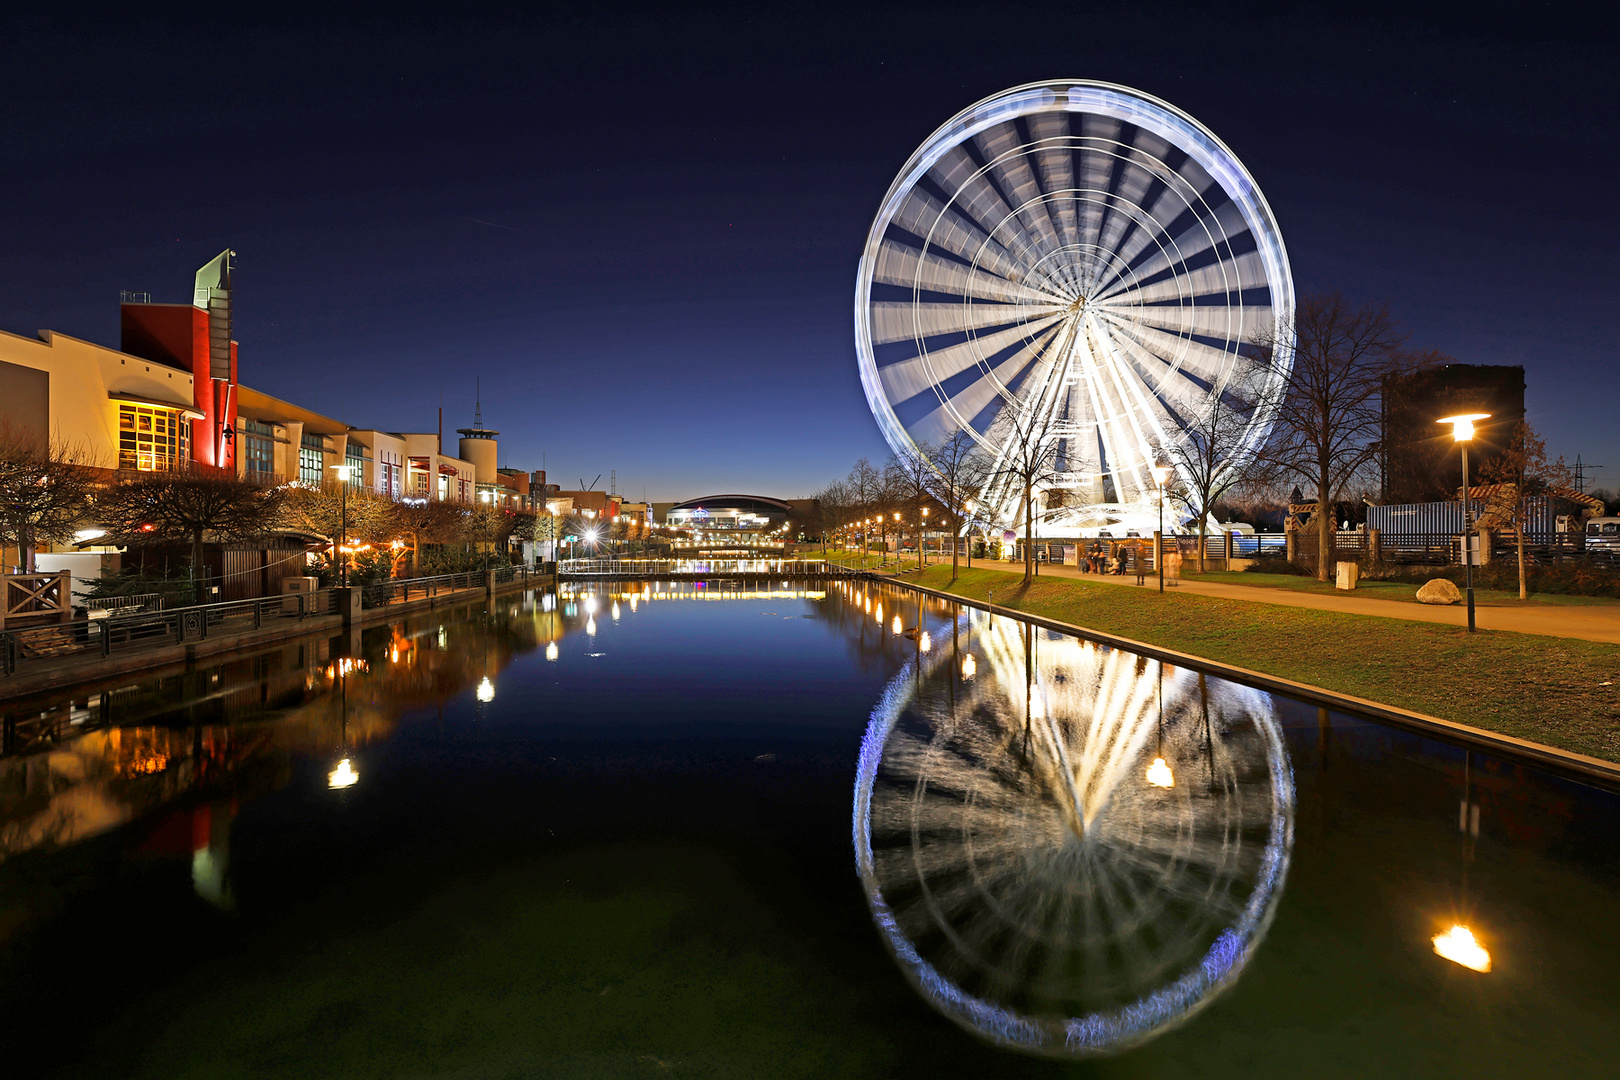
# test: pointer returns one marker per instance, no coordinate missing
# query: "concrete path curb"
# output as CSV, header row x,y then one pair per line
x,y
1566,762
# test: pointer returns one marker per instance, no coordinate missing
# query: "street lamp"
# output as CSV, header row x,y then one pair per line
x,y
1161,474
343,533
1462,432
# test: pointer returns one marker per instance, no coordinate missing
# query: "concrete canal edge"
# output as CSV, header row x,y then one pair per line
x,y
79,674
1567,762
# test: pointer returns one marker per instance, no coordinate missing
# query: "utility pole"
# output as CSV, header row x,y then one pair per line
x,y
1580,474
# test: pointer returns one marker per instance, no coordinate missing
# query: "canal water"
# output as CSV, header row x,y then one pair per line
x,y
793,830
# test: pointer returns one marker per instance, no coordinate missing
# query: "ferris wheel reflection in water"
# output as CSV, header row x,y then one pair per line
x,y
1068,848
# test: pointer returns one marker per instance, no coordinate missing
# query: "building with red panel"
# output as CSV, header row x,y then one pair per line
x,y
195,337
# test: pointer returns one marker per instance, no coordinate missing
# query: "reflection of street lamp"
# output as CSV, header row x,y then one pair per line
x,y
1161,473
1158,773
343,533
1462,432
343,776
486,690
1458,946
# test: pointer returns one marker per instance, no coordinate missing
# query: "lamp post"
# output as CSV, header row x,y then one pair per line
x,y
343,531
1161,473
921,525
1462,432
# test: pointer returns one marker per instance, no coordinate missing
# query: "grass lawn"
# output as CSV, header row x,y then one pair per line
x,y
1391,590
1558,691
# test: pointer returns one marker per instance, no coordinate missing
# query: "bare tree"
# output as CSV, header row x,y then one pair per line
x,y
370,517
832,510
189,505
1215,454
1522,472
488,528
910,476
45,489
1328,422
1028,459
959,474
865,485
427,523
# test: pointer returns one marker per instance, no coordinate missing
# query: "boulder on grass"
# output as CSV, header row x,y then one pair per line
x,y
1439,591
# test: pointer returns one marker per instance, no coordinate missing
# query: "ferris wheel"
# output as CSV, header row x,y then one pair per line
x,y
1078,263
1069,849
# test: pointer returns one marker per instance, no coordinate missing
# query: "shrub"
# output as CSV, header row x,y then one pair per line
x,y
1279,564
1571,577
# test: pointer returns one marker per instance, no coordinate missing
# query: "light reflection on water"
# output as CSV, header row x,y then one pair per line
x,y
78,766
1042,884
1026,870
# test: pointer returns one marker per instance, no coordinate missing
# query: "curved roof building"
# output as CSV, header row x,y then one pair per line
x,y
741,516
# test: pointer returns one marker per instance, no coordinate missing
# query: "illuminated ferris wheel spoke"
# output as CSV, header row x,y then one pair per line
x,y
1209,230
931,372
1147,417
909,267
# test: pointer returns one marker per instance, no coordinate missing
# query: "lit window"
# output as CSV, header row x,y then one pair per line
x,y
152,438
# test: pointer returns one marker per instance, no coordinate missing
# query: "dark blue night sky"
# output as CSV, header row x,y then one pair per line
x,y
640,228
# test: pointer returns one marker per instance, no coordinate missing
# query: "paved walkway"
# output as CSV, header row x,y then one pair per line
x,y
1594,623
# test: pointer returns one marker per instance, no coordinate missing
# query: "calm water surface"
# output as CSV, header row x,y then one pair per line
x,y
819,831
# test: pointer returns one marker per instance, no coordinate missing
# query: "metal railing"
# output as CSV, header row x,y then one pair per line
x,y
133,602
119,632
702,568
404,590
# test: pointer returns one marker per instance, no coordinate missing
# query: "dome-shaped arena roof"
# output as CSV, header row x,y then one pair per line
x,y
753,504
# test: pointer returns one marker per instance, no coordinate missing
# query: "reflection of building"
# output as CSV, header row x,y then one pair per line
x,y
1420,460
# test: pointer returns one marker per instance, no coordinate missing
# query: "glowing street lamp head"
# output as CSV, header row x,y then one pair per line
x,y
1462,425
342,471
1159,775
1161,473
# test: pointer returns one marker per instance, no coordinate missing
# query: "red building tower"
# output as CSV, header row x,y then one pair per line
x,y
195,337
